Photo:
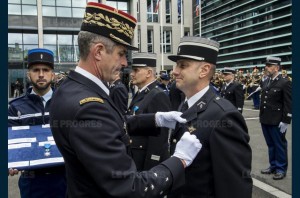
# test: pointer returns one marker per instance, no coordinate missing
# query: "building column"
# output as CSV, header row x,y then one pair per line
x,y
40,23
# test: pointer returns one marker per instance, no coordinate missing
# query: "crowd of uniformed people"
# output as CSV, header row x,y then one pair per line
x,y
181,134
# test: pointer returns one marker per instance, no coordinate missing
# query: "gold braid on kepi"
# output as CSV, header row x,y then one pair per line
x,y
109,22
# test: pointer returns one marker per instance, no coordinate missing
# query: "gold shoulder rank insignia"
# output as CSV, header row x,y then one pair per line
x,y
191,129
91,99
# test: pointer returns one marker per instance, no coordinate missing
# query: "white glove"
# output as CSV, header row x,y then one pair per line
x,y
283,127
168,119
258,89
187,148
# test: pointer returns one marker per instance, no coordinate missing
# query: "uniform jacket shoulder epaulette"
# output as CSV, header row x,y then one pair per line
x,y
224,104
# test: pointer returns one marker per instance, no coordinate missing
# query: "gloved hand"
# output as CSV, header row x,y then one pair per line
x,y
168,119
283,127
187,148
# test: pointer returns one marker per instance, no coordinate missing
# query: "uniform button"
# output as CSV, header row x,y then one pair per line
x,y
265,102
161,192
167,179
278,109
174,140
264,107
141,146
155,174
266,96
152,187
266,91
130,141
146,189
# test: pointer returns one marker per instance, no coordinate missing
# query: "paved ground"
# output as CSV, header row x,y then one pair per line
x,y
259,159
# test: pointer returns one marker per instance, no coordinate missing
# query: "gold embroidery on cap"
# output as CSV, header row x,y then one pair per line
x,y
112,23
91,99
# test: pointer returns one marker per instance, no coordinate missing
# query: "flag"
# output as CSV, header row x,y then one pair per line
x,y
197,7
157,6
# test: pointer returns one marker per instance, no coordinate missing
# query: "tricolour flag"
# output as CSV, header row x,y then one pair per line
x,y
197,7
157,6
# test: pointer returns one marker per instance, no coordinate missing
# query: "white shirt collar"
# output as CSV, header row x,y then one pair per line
x,y
45,97
145,86
197,96
92,78
275,77
228,83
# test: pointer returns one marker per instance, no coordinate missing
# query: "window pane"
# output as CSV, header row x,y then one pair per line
x,y
28,47
64,12
53,49
112,4
14,1
78,12
48,2
65,39
78,3
29,10
50,39
15,53
49,11
123,6
63,3
14,38
32,2
93,1
30,38
14,9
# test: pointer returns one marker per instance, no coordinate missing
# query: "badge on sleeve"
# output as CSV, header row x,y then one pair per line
x,y
91,99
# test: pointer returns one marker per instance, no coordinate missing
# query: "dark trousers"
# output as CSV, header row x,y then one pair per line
x,y
33,185
277,146
256,99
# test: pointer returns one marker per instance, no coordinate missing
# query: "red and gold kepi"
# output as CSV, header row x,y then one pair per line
x,y
109,22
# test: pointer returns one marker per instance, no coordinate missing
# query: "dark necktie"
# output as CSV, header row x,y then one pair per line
x,y
270,82
184,107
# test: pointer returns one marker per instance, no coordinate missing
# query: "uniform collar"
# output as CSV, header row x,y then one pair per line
x,y
46,97
197,96
92,78
146,86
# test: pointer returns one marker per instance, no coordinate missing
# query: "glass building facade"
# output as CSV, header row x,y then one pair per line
x,y
52,24
248,31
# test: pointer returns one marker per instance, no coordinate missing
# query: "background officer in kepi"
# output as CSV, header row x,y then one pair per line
x,y
150,98
232,90
33,109
275,115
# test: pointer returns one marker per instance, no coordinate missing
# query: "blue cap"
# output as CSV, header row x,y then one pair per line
x,y
40,55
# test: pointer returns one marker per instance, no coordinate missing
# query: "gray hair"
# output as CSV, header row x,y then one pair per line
x,y
86,39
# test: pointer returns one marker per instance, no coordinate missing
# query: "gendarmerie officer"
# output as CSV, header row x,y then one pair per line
x,y
150,98
92,134
232,90
221,169
275,115
33,109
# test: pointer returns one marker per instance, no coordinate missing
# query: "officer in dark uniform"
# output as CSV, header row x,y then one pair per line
x,y
119,93
33,109
147,152
222,167
255,83
275,115
91,133
165,83
232,90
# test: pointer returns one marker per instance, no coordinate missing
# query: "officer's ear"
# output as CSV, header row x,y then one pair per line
x,y
28,76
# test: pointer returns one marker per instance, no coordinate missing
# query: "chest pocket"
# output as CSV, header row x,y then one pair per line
x,y
275,92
